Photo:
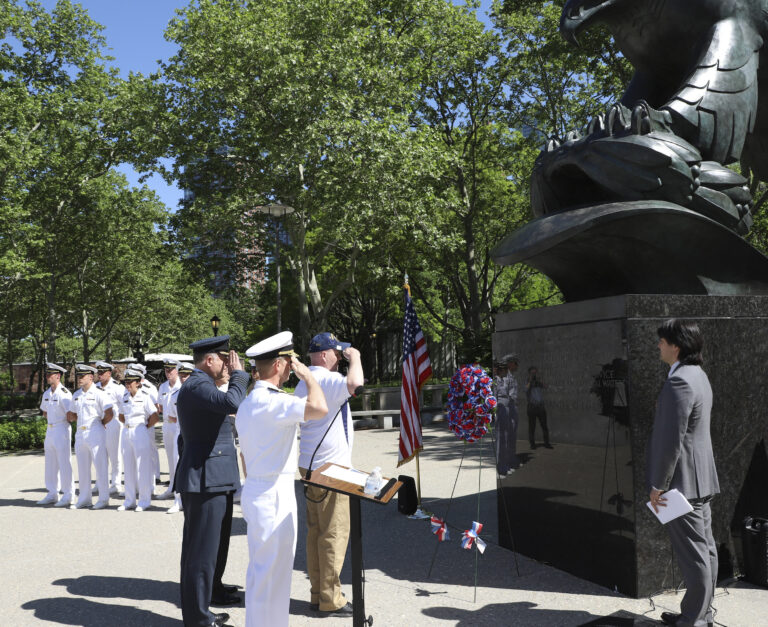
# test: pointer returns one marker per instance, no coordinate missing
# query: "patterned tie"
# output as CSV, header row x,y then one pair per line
x,y
344,409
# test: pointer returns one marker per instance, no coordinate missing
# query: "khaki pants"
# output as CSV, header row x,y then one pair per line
x,y
327,537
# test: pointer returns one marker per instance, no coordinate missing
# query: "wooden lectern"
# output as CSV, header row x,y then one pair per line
x,y
355,494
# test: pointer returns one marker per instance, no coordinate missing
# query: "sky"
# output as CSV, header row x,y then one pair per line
x,y
134,33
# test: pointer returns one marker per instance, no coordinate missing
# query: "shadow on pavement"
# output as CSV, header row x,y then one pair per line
x,y
525,614
122,588
91,614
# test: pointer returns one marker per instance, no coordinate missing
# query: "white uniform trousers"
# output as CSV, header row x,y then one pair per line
x,y
170,442
114,433
155,456
137,461
91,448
269,508
58,460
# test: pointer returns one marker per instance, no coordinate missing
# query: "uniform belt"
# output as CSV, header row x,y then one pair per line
x,y
138,424
56,424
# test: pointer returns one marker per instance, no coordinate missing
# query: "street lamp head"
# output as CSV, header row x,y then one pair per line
x,y
215,324
275,209
44,345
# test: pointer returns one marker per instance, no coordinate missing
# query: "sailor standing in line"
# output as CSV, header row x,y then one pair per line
x,y
185,370
139,414
91,407
114,427
58,440
268,422
170,428
151,389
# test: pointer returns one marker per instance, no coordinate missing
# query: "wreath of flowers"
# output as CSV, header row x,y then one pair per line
x,y
471,403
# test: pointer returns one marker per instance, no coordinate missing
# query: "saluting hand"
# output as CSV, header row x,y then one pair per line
x,y
234,361
299,369
350,352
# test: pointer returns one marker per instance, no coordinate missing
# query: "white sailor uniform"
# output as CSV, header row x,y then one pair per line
x,y
170,429
267,424
151,389
114,431
137,452
172,448
58,445
91,442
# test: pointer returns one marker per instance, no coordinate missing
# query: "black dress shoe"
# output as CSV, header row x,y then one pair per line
x,y
220,619
315,607
227,588
344,610
225,598
670,618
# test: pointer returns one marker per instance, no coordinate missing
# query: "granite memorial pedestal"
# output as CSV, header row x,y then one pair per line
x,y
580,506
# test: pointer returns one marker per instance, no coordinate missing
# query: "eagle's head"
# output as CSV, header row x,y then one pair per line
x,y
580,14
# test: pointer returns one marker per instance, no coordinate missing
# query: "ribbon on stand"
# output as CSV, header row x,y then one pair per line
x,y
472,535
440,529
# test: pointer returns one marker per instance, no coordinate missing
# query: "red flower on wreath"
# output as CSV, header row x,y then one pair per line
x,y
471,403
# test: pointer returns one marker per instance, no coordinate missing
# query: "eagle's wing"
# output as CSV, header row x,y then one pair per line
x,y
717,105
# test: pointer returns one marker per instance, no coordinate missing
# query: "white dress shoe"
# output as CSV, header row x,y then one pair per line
x,y
65,501
101,504
124,507
168,494
173,509
48,499
139,508
81,505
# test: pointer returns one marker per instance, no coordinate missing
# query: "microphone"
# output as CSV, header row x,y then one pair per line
x,y
358,392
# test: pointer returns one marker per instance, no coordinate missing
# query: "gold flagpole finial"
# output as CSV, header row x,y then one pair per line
x,y
407,287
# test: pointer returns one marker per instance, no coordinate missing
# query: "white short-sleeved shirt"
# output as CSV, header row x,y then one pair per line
x,y
173,411
56,404
267,424
115,391
138,408
335,447
165,394
151,389
90,406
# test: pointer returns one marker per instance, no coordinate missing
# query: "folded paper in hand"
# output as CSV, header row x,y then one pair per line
x,y
677,505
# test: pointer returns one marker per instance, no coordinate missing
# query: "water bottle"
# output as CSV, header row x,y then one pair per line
x,y
373,482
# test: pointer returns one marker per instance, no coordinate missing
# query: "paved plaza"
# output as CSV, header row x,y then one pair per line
x,y
108,568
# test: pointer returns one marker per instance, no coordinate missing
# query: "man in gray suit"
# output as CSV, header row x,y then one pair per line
x,y
680,456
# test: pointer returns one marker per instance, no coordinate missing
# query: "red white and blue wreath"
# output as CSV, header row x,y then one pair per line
x,y
471,403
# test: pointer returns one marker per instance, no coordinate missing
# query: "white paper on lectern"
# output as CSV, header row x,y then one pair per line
x,y
350,475
677,505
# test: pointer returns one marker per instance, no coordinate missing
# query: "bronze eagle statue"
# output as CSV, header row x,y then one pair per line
x,y
692,107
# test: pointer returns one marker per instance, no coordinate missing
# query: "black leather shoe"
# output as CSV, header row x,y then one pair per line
x,y
220,619
344,610
670,618
227,588
225,598
315,607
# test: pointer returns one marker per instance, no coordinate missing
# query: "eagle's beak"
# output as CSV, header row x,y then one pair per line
x,y
578,14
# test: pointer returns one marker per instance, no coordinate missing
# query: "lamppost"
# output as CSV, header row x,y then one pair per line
x,y
215,325
44,346
277,211
138,349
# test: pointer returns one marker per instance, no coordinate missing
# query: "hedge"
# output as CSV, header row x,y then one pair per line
x,y
22,434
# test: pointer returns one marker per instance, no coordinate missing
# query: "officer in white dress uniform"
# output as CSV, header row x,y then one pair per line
x,y
267,423
91,407
185,369
114,427
170,428
58,440
151,389
139,414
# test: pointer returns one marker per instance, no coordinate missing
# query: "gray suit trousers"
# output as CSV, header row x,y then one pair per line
x,y
696,552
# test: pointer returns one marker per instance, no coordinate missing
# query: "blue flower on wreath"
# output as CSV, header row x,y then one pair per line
x,y
471,403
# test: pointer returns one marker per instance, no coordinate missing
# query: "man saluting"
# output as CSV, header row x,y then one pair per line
x,y
207,474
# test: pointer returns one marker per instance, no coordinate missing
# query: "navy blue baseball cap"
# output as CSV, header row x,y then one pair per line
x,y
218,344
326,341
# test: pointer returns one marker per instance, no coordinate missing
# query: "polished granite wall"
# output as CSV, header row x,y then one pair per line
x,y
580,506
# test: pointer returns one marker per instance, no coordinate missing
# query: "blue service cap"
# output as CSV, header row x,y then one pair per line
x,y
218,344
326,341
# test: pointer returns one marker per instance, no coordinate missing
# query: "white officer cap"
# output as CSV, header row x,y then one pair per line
x,y
185,368
139,368
279,345
132,375
103,365
170,363
84,369
51,368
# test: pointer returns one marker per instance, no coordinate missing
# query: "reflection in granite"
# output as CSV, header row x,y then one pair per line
x,y
581,506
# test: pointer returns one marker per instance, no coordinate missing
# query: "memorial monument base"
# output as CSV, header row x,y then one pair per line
x,y
581,505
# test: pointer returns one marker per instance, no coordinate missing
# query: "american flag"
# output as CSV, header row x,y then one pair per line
x,y
416,370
